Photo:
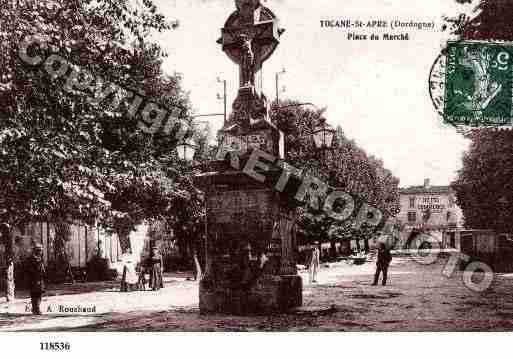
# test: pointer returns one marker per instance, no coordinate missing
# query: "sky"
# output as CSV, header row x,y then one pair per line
x,y
377,91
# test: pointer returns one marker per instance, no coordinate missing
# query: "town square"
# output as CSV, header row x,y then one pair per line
x,y
342,300
184,166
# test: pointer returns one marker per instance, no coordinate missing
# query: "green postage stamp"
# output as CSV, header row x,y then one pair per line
x,y
478,84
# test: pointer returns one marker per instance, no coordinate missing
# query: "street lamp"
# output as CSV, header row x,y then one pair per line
x,y
219,80
323,135
186,149
278,86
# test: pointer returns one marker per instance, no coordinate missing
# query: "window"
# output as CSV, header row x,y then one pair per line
x,y
412,216
448,216
412,202
452,236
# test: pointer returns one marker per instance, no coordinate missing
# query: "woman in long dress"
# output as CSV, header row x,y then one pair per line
x,y
129,278
155,268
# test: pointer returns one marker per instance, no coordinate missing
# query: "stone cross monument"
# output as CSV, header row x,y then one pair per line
x,y
249,38
250,246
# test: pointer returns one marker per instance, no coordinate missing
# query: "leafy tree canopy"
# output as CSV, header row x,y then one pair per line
x,y
62,156
346,167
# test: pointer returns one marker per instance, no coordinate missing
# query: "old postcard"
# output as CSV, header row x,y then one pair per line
x,y
255,166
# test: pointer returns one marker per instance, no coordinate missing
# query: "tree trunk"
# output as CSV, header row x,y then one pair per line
x,y
8,239
333,250
199,272
345,246
10,287
183,254
62,270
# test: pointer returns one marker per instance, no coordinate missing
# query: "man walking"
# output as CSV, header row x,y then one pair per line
x,y
36,275
315,262
384,259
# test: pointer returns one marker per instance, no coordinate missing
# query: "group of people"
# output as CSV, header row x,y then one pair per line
x,y
147,272
133,279
384,257
36,275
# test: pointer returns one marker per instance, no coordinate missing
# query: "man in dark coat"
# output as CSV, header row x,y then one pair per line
x,y
36,275
384,259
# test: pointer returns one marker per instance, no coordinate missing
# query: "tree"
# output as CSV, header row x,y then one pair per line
x,y
484,186
184,223
7,240
185,227
190,217
492,21
346,167
65,158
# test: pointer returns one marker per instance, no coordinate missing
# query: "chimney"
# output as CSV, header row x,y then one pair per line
x,y
426,183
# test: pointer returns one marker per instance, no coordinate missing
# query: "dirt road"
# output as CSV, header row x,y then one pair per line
x,y
418,298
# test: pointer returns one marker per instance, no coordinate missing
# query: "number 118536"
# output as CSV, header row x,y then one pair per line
x,y
57,346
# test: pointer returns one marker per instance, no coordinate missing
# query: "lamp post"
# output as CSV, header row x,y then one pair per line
x,y
277,83
323,135
186,150
219,80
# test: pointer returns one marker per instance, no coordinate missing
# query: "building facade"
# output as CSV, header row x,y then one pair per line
x,y
83,243
428,209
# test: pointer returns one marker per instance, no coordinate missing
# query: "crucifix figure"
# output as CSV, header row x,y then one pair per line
x,y
249,37
247,62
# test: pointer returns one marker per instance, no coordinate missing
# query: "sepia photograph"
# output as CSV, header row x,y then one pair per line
x,y
255,166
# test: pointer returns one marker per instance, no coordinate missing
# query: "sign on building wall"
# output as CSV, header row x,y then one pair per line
x,y
432,203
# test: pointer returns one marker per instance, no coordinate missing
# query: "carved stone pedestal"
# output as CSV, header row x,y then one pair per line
x,y
251,265
271,294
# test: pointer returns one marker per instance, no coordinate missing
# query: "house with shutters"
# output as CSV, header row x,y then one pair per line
x,y
428,209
